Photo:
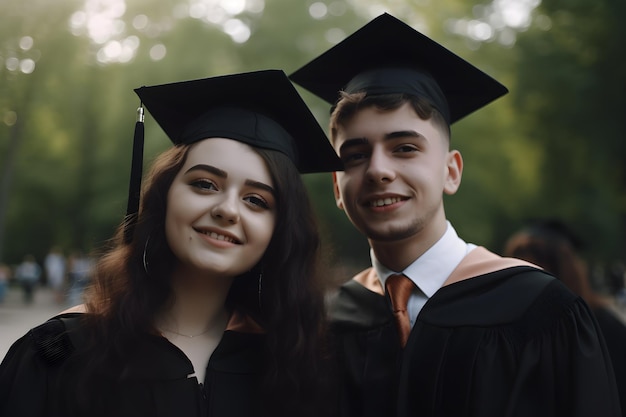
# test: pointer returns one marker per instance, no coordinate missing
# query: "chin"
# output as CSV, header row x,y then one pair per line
x,y
392,234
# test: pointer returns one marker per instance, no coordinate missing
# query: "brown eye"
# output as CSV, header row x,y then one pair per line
x,y
257,201
203,184
353,157
406,148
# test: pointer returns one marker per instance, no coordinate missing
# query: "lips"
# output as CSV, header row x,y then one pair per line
x,y
219,236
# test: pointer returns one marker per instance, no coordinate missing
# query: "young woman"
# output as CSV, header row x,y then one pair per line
x,y
212,307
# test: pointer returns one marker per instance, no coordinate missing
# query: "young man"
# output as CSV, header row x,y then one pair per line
x,y
485,335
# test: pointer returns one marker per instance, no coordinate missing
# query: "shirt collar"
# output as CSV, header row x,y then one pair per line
x,y
429,271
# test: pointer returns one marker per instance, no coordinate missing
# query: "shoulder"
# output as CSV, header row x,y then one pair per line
x,y
481,261
56,339
34,359
500,296
358,303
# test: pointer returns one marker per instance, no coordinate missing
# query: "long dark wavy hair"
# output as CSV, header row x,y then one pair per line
x,y
124,297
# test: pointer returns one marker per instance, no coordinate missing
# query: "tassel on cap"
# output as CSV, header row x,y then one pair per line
x,y
134,189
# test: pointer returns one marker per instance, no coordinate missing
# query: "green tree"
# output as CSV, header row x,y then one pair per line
x,y
572,76
551,147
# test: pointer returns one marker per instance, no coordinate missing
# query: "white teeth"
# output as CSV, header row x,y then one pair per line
x,y
220,237
384,202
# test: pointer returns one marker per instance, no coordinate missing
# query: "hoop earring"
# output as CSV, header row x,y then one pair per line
x,y
145,261
260,288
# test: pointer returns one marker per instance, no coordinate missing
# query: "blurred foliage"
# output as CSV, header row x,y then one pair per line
x,y
552,147
573,79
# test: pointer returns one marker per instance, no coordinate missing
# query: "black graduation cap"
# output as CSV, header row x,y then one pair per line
x,y
388,56
260,108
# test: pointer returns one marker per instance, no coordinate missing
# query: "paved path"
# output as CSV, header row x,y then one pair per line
x,y
16,318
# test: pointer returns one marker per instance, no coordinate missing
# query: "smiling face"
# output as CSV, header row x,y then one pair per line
x,y
220,209
397,168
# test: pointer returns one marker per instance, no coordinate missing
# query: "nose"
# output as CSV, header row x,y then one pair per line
x,y
226,210
380,168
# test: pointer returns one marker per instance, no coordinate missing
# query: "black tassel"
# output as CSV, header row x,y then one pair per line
x,y
136,170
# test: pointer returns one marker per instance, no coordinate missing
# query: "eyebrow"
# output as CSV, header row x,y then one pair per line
x,y
208,168
392,135
223,174
261,185
403,134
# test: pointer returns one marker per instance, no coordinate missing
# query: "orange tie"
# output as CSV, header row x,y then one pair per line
x,y
399,288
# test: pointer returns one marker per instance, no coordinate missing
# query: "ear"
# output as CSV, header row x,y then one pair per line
x,y
338,200
454,168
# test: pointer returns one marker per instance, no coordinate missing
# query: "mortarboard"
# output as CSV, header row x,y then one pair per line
x,y
260,108
388,56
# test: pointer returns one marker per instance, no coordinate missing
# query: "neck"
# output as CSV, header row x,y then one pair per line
x,y
198,305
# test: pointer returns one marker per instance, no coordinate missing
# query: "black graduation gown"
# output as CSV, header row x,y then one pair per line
x,y
614,332
155,383
511,342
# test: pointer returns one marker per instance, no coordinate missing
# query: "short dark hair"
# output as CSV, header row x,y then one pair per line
x,y
350,103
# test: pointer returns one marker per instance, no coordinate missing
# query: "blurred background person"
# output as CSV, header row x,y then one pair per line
x,y
552,245
5,275
28,274
54,265
616,275
79,269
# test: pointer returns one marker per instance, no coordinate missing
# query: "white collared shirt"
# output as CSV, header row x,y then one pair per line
x,y
430,270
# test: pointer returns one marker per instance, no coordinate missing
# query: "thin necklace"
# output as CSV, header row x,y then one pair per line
x,y
190,336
